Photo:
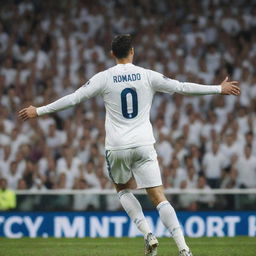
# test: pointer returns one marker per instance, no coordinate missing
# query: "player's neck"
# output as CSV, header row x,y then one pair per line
x,y
124,60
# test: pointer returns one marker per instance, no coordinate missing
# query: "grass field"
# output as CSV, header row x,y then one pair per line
x,y
238,246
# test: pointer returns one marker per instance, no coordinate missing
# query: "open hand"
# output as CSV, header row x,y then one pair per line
x,y
27,113
229,87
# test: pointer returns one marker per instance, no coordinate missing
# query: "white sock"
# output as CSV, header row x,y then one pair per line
x,y
170,221
133,208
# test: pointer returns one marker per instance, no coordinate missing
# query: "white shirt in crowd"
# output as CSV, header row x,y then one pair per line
x,y
12,180
4,168
230,150
180,176
213,164
92,179
246,168
164,150
71,172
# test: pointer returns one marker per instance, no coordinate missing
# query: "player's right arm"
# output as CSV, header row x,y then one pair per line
x,y
92,88
161,83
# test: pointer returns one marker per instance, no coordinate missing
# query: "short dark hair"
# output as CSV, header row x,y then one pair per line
x,y
121,45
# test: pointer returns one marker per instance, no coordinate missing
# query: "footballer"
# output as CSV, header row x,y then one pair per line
x,y
128,91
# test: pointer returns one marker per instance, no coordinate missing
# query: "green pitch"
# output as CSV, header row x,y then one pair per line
x,y
238,246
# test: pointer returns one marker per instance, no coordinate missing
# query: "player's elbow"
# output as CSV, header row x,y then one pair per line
x,y
182,89
75,99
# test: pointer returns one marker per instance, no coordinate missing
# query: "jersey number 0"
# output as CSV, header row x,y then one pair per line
x,y
124,94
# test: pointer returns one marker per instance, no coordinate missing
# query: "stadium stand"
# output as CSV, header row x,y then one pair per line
x,y
50,48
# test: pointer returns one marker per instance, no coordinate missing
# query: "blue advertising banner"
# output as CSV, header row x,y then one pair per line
x,y
117,224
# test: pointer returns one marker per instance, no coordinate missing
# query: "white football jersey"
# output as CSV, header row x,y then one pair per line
x,y
127,91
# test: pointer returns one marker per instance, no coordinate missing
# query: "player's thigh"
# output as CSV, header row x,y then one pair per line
x,y
145,167
119,166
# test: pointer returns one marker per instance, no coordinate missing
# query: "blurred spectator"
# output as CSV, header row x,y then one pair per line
x,y
229,148
246,169
213,163
186,201
178,174
7,196
83,202
13,176
90,175
204,200
70,166
164,149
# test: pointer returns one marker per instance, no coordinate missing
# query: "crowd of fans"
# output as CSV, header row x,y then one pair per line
x,y
50,48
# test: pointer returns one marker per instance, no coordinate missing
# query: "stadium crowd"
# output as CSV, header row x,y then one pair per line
x,y
50,48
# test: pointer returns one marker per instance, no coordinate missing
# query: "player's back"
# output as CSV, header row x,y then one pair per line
x,y
128,97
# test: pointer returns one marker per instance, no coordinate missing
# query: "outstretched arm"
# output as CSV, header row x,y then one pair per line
x,y
164,84
60,104
88,90
225,88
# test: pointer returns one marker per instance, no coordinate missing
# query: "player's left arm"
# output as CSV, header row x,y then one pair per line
x,y
164,84
225,88
92,88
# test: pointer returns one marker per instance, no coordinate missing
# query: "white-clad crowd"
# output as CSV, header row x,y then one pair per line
x,y
50,48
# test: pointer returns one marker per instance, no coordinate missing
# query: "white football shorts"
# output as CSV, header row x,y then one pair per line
x,y
140,162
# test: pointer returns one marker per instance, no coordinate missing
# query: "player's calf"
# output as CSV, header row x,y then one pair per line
x,y
133,208
169,218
